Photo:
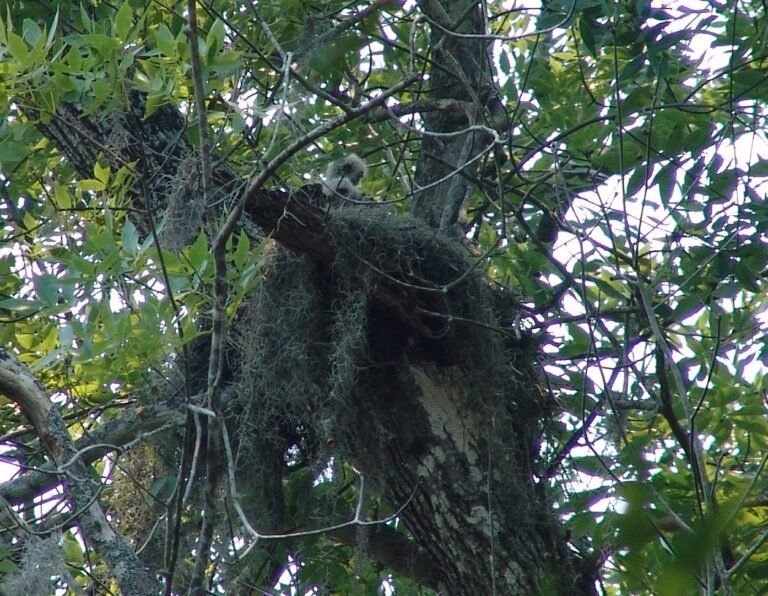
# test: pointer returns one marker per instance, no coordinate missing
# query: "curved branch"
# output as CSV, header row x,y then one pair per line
x,y
20,386
116,434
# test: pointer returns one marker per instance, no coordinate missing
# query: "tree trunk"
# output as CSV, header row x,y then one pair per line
x,y
443,420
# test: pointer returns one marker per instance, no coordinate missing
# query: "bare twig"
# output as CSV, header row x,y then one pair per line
x,y
218,331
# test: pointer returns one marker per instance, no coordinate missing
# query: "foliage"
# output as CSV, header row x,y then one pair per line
x,y
629,216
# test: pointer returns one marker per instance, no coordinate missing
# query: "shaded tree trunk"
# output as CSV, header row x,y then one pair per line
x,y
444,418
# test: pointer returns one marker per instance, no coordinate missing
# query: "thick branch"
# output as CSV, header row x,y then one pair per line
x,y
111,436
415,299
294,223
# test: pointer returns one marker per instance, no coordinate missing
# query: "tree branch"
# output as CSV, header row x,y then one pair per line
x,y
113,435
414,292
20,386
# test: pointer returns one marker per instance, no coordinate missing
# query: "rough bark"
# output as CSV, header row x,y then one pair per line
x,y
416,427
112,436
454,139
424,427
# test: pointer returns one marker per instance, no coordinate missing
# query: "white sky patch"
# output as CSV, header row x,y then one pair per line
x,y
645,212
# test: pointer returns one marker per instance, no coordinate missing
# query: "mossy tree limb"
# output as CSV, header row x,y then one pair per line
x,y
445,408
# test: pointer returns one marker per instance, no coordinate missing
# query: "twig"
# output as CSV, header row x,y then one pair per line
x,y
217,335
257,536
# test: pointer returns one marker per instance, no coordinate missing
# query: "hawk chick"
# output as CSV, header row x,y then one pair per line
x,y
342,177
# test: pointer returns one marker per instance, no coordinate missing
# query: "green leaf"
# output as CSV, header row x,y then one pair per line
x,y
215,39
198,254
101,173
90,185
20,306
587,32
242,250
130,238
12,152
31,32
6,561
47,289
161,489
123,20
669,40
333,57
578,345
53,29
637,181
640,98
17,48
66,336
631,69
165,41
666,178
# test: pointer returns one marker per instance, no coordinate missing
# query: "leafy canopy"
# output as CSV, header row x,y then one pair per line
x,y
636,142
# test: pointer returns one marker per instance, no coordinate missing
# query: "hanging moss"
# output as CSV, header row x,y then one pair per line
x,y
312,334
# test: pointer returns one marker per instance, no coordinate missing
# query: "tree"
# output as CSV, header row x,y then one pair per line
x,y
525,362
